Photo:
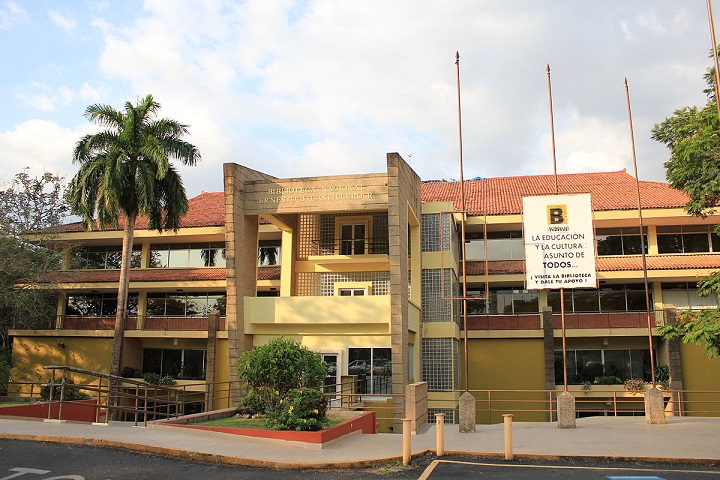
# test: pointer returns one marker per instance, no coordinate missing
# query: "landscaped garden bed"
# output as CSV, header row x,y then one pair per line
x,y
348,423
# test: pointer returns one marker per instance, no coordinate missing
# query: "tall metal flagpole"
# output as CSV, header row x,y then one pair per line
x,y
462,227
642,234
557,191
715,55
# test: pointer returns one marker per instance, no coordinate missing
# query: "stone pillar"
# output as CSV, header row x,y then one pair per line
x,y
467,413
654,408
549,347
566,410
416,405
210,360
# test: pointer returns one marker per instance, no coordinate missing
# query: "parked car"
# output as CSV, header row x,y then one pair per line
x,y
359,367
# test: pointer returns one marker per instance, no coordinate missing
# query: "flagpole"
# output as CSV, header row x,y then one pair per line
x,y
557,191
462,228
715,54
642,233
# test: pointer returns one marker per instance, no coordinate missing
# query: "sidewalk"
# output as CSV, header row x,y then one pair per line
x,y
682,439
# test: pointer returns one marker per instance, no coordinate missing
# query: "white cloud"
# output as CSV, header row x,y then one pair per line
x,y
11,13
65,22
39,145
47,99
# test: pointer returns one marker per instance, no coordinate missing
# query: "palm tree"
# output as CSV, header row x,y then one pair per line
x,y
125,172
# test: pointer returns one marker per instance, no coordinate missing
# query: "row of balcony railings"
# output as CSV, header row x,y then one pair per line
x,y
350,246
138,322
123,399
518,321
574,320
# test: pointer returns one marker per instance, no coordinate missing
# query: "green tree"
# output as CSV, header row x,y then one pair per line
x,y
693,136
27,206
275,369
125,172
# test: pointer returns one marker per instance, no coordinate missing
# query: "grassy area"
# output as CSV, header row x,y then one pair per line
x,y
237,422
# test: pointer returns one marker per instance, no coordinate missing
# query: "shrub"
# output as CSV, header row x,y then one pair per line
x,y
278,367
608,380
302,409
635,385
251,404
130,372
70,393
157,379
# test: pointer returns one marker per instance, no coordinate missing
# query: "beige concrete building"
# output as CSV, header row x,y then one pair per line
x,y
366,270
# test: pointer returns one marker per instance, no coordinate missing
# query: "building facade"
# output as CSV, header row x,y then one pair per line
x,y
367,270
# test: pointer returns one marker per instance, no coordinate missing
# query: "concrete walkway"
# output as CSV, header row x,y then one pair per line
x,y
681,439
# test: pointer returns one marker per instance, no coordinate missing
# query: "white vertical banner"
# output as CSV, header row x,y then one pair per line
x,y
559,242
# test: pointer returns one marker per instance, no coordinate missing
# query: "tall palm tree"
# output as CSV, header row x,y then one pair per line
x,y
125,171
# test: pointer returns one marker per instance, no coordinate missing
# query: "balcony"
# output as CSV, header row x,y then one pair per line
x,y
605,320
346,312
348,247
149,324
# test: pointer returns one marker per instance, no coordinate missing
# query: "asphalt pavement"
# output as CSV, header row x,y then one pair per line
x,y
686,440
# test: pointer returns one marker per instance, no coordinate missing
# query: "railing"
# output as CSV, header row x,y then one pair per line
x,y
139,402
338,246
72,322
533,321
125,399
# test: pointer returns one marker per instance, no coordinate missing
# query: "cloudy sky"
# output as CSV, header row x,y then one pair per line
x,y
318,87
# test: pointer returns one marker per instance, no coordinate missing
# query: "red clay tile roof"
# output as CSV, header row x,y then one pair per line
x,y
609,264
268,273
492,196
503,195
205,210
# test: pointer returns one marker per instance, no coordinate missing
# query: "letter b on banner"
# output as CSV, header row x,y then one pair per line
x,y
557,214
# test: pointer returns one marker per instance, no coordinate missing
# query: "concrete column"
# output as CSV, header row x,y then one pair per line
x,y
467,413
566,410
213,319
654,408
549,348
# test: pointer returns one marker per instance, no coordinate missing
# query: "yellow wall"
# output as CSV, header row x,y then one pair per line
x,y
700,373
507,364
81,352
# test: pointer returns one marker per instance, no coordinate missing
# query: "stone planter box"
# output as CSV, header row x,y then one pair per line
x,y
353,423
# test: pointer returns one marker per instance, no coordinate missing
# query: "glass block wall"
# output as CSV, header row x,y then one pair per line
x,y
323,284
450,414
440,361
436,304
434,237
317,233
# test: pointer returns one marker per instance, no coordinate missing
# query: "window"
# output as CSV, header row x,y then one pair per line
x,y
106,257
353,234
500,245
185,364
587,365
351,292
608,298
352,289
685,296
269,253
184,304
374,366
98,304
687,239
177,255
620,241
506,301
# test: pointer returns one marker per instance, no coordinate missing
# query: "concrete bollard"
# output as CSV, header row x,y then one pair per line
x,y
440,434
507,420
407,448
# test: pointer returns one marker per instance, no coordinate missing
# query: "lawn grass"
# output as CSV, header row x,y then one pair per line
x,y
259,423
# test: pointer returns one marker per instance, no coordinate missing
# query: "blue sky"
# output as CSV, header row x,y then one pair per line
x,y
306,88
